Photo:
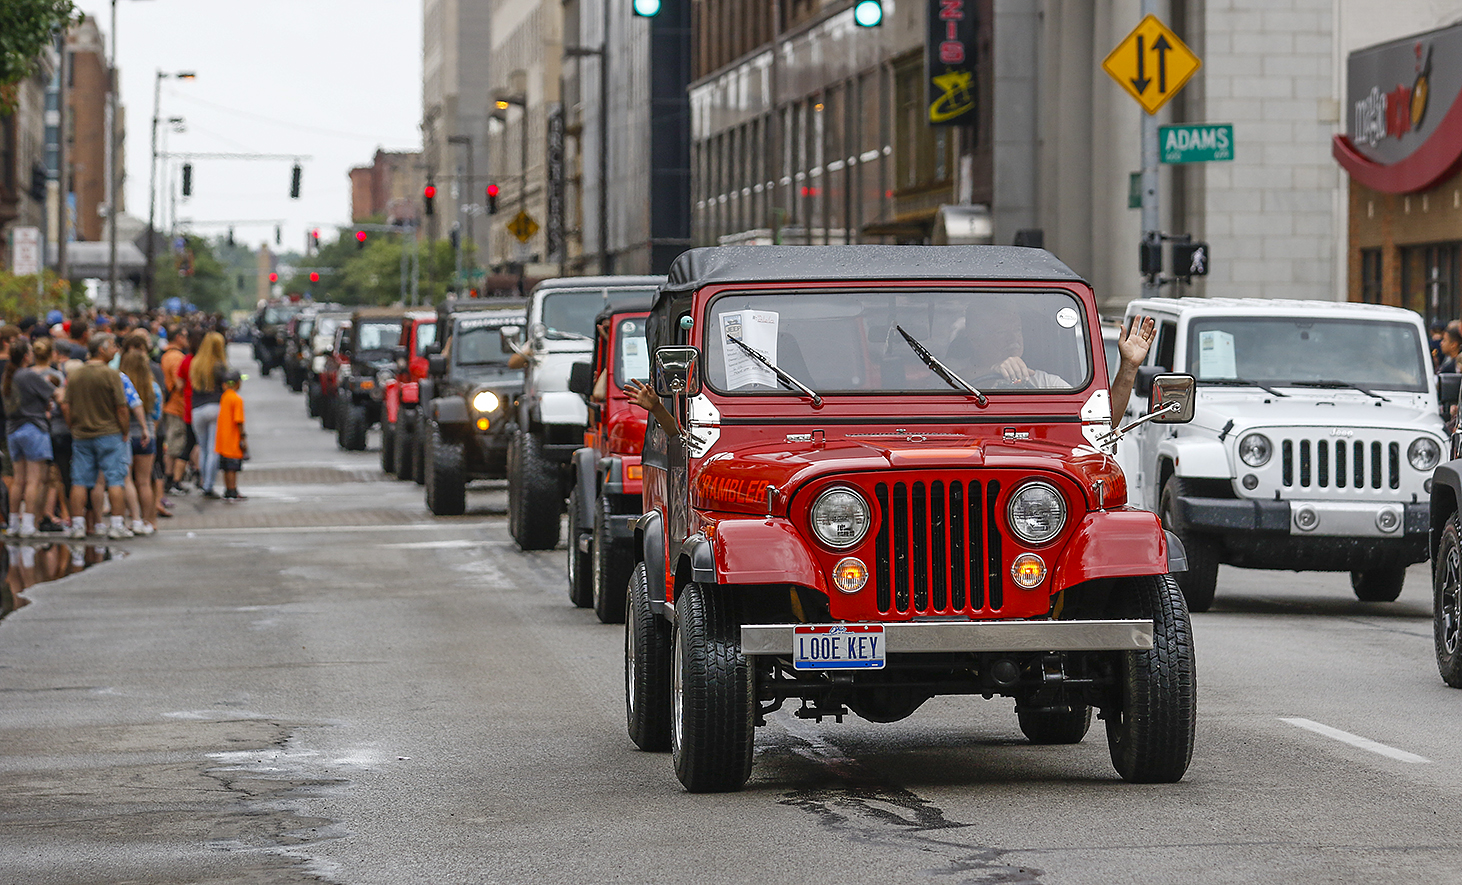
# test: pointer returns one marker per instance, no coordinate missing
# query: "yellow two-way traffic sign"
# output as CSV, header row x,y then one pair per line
x,y
523,226
1152,64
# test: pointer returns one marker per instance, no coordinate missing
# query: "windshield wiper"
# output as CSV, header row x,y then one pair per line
x,y
556,335
785,378
1340,385
940,369
1241,382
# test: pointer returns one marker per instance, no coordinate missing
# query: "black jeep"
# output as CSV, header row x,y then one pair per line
x,y
269,322
467,400
367,359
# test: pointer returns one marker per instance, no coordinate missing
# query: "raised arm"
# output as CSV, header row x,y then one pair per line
x,y
1133,342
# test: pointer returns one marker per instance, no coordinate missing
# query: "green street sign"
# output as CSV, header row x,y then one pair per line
x,y
1134,190
1199,143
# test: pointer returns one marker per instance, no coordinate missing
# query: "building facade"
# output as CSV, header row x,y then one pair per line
x,y
86,135
456,48
391,187
23,173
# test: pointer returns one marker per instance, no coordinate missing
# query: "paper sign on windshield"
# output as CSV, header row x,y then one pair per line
x,y
758,329
1216,355
634,357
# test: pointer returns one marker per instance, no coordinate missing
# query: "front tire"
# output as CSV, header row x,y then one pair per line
x,y
580,564
647,655
353,425
388,445
1378,584
1200,582
611,564
446,488
1150,729
312,399
534,500
405,445
1447,604
713,703
329,412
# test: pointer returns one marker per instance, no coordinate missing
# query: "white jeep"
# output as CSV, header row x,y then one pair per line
x,y
1316,431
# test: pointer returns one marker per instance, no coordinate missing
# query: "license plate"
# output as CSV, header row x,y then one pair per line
x,y
837,647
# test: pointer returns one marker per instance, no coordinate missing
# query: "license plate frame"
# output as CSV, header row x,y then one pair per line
x,y
838,647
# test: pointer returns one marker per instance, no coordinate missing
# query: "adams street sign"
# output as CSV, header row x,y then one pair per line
x,y
1199,143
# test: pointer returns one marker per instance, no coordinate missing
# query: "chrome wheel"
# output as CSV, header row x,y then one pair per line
x,y
1449,601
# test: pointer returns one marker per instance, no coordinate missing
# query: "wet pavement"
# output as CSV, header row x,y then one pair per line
x,y
38,561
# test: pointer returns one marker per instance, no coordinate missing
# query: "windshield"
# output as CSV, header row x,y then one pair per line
x,y
570,313
426,335
303,327
377,335
273,316
1285,351
846,342
478,340
631,352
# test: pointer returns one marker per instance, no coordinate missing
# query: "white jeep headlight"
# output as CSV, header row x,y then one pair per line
x,y
840,517
485,401
1036,512
1255,450
1424,453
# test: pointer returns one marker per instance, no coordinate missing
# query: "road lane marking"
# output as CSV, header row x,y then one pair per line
x,y
1354,740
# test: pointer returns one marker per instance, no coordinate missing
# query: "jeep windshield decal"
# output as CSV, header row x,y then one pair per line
x,y
1363,354
850,342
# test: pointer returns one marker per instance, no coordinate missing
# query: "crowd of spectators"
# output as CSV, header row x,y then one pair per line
x,y
106,416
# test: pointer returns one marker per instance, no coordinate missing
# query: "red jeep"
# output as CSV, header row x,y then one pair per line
x,y
330,375
894,482
398,405
604,502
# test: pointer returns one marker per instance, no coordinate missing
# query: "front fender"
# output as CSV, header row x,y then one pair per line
x,y
650,549
1446,492
449,410
1196,457
1114,543
586,463
763,551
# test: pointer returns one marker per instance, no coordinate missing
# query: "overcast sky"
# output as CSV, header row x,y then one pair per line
x,y
329,79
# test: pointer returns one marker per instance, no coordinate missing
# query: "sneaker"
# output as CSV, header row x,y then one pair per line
x,y
50,525
76,531
234,496
143,530
210,494
119,533
26,532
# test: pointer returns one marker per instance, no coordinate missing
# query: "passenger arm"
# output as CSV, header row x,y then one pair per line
x,y
1133,342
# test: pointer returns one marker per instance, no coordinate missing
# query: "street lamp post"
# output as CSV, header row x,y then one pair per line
x,y
112,171
152,189
471,189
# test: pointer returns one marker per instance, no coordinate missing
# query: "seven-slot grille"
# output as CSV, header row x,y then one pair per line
x,y
938,548
1340,464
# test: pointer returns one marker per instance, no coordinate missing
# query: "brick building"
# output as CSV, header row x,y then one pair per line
x,y
86,137
391,187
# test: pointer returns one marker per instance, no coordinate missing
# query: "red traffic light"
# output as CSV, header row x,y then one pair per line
x,y
492,190
314,276
430,192
273,277
360,236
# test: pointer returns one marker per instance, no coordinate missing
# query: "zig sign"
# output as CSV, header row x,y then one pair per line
x,y
1201,143
1152,64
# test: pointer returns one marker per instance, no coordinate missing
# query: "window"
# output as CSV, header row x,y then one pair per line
x,y
923,154
1370,276
1429,276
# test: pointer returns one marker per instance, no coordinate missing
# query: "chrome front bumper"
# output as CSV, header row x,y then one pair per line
x,y
976,636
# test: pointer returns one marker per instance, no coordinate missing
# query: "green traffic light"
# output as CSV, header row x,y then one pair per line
x,y
647,8
868,13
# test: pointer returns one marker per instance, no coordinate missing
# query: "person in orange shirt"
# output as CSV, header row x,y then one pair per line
x,y
230,440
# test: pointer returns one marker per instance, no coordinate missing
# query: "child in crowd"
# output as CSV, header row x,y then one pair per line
x,y
231,441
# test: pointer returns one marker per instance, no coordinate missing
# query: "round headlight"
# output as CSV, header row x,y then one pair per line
x,y
485,401
840,517
1255,450
1424,453
1036,512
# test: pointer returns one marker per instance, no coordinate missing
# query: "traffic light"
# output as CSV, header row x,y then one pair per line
x,y
1149,257
360,238
492,199
294,183
646,8
278,235
315,239
1190,260
230,236
187,179
273,277
456,236
314,276
868,13
428,196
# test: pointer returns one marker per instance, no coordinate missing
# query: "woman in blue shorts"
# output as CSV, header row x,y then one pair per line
x,y
28,397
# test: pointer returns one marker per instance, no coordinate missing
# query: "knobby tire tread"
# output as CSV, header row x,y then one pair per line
x,y
1151,741
715,753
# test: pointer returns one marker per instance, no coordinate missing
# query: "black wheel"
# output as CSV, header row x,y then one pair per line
x,y
1381,584
1447,604
312,399
1150,727
1200,581
612,566
388,446
713,704
581,569
419,439
534,499
446,488
296,379
647,652
403,445
353,424
329,411
1055,725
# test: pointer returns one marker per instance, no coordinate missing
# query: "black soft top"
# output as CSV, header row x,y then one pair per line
x,y
632,305
797,264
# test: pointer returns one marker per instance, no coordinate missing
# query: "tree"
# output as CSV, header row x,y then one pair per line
x,y
27,27
372,275
193,274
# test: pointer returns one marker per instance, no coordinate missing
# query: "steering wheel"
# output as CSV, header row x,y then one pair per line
x,y
995,380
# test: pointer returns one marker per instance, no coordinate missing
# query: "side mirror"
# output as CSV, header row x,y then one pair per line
x,y
1449,386
581,378
432,349
1170,389
509,337
677,371
1142,385
436,364
537,332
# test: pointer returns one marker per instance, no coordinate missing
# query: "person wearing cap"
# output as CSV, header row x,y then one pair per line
x,y
230,440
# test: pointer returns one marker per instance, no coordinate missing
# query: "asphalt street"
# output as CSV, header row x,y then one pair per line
x,y
326,683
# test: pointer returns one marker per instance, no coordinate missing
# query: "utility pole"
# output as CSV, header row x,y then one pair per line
x,y
1151,218
469,194
151,296
63,205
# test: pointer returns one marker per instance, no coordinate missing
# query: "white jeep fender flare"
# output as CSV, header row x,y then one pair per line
x,y
1205,458
562,407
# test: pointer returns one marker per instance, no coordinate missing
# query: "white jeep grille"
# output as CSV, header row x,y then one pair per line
x,y
1340,464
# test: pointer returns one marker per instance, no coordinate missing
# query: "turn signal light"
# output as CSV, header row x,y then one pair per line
x,y
367,384
482,423
850,574
1028,571
634,471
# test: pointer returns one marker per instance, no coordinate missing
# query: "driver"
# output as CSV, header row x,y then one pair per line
x,y
992,346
